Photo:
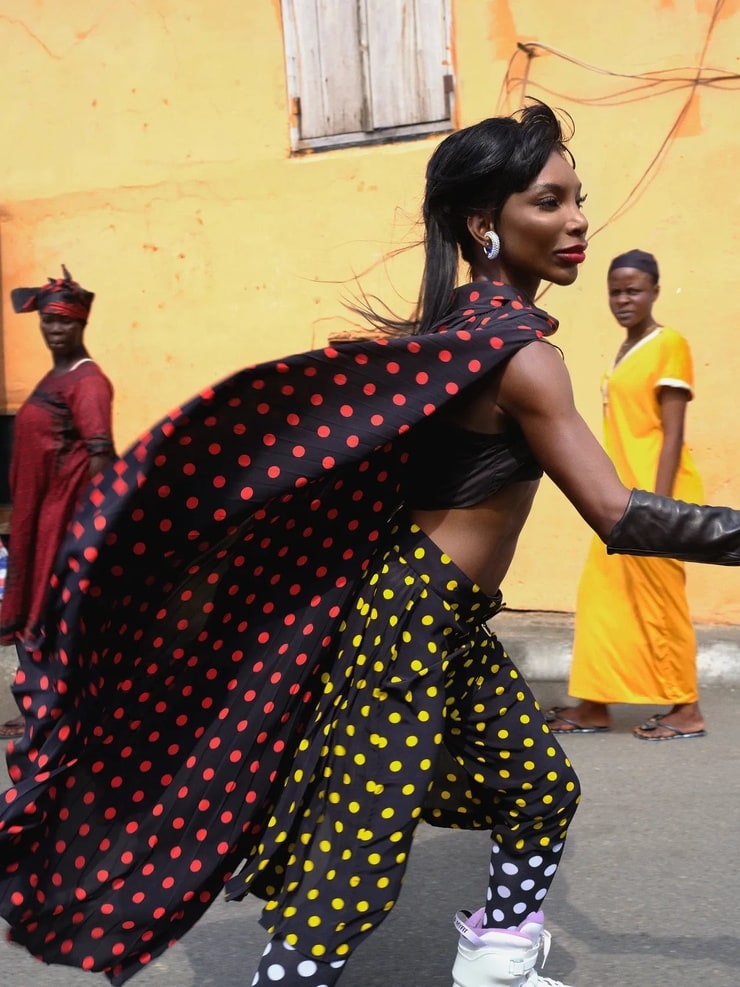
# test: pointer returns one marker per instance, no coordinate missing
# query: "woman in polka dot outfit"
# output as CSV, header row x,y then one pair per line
x,y
267,655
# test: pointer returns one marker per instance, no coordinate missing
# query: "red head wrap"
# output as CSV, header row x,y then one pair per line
x,y
62,296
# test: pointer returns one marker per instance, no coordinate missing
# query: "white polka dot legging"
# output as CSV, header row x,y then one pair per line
x,y
286,967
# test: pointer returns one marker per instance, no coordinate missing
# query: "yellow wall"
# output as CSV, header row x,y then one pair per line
x,y
146,145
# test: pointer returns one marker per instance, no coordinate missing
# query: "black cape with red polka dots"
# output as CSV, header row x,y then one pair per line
x,y
193,606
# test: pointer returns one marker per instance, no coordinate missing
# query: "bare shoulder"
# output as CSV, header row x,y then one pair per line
x,y
535,377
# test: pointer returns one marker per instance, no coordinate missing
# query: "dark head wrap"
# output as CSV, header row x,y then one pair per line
x,y
640,260
62,296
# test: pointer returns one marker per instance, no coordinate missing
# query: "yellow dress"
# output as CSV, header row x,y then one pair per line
x,y
634,640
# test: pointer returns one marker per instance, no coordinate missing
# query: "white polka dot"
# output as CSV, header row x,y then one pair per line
x,y
510,868
520,908
306,968
535,861
541,894
275,972
527,885
503,892
498,915
550,870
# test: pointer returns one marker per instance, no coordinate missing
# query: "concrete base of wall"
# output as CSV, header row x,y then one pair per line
x,y
540,643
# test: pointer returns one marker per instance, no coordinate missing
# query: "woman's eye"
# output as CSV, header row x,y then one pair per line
x,y
549,203
580,200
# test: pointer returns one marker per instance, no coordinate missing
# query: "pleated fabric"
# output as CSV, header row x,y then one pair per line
x,y
196,628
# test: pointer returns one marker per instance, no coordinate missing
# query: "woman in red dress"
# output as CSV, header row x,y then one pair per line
x,y
62,437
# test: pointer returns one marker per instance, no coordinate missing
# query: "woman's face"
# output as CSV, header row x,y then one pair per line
x,y
631,297
62,335
543,229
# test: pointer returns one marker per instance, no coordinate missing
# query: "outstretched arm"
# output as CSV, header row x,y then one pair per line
x,y
535,389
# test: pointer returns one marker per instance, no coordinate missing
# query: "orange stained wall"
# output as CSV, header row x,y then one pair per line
x,y
146,145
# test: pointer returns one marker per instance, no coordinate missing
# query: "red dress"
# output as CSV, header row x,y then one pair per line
x,y
65,421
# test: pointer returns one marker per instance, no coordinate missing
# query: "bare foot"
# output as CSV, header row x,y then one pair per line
x,y
586,717
683,721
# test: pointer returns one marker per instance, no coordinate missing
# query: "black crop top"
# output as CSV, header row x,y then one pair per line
x,y
450,466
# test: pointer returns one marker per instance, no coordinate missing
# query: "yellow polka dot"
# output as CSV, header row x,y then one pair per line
x,y
337,904
395,766
313,921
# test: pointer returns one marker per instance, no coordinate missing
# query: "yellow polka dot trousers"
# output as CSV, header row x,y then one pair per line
x,y
421,715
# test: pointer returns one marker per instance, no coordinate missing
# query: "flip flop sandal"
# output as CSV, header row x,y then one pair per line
x,y
554,714
12,729
654,722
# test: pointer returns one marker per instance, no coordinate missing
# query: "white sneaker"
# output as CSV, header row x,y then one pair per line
x,y
500,957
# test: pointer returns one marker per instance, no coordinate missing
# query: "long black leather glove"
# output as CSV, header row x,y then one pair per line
x,y
655,525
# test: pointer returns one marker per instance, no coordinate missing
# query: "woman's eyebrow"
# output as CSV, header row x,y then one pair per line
x,y
552,187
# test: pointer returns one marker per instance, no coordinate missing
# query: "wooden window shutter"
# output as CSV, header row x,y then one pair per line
x,y
409,61
363,70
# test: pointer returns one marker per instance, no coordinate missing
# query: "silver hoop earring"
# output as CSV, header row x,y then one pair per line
x,y
492,246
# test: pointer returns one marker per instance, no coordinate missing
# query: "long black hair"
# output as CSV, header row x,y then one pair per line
x,y
473,170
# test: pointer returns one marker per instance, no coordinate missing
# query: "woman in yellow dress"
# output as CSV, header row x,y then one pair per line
x,y
634,640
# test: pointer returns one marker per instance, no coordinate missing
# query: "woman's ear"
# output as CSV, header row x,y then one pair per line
x,y
478,225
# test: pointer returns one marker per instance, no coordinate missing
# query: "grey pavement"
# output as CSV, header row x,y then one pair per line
x,y
646,894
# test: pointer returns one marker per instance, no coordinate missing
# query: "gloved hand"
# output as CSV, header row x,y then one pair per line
x,y
655,525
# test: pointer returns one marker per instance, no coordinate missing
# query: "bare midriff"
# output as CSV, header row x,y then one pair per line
x,y
481,540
